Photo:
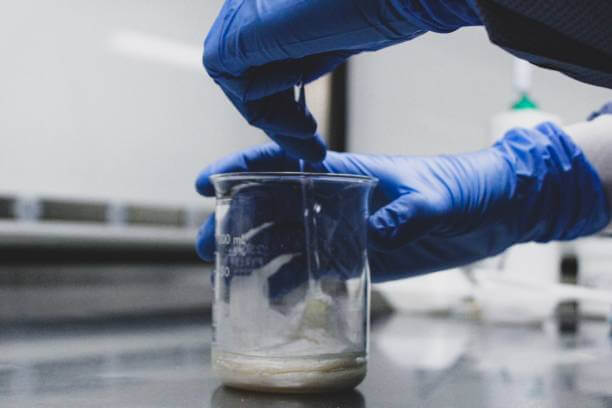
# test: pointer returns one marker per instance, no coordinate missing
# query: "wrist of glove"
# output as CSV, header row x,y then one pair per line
x,y
556,189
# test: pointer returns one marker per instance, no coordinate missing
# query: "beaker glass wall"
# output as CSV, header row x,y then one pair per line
x,y
291,309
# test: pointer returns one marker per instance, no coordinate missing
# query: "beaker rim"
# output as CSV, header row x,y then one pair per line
x,y
293,175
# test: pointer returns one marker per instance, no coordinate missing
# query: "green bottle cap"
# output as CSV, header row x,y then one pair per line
x,y
524,102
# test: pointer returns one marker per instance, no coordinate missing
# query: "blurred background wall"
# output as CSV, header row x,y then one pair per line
x,y
106,118
110,100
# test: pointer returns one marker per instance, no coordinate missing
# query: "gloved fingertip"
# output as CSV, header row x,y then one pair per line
x,y
204,186
379,236
312,150
315,154
406,219
205,242
605,110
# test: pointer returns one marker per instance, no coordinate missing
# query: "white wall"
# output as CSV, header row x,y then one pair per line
x,y
437,93
109,100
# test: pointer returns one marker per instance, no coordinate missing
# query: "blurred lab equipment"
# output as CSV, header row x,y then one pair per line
x,y
291,305
224,397
536,269
507,299
524,112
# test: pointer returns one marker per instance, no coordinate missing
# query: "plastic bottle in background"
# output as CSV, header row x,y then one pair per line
x,y
524,112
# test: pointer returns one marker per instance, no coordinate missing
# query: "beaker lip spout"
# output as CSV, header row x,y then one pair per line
x,y
288,175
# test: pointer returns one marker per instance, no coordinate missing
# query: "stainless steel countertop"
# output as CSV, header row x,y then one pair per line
x,y
414,361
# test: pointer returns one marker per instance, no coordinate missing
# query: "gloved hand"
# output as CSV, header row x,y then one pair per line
x,y
604,110
434,213
258,50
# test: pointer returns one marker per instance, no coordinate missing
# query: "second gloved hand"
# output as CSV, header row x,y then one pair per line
x,y
258,50
434,213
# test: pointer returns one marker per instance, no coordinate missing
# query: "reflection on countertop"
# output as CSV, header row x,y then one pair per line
x,y
228,397
414,361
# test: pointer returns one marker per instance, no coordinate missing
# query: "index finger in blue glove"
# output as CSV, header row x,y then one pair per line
x,y
286,121
409,217
312,150
267,80
278,113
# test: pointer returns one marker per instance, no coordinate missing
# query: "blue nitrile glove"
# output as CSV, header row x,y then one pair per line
x,y
258,50
434,213
604,110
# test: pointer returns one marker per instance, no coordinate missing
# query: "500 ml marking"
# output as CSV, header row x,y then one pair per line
x,y
225,271
236,256
226,239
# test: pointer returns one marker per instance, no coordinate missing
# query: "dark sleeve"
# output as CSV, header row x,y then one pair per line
x,y
570,36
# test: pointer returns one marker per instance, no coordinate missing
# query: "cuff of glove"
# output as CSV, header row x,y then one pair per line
x,y
595,139
561,193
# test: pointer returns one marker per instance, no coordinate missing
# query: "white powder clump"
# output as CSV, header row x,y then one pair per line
x,y
298,374
277,369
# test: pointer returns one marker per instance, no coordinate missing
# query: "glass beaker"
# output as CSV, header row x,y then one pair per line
x,y
291,303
